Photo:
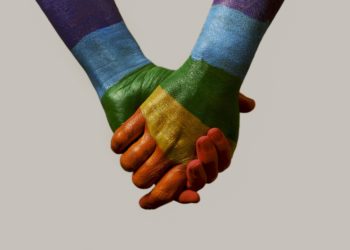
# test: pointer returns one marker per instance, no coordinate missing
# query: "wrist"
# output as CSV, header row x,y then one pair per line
x,y
97,36
229,40
108,55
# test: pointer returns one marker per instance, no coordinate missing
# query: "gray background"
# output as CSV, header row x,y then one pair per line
x,y
288,187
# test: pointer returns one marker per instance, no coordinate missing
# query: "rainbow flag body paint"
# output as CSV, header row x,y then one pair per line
x,y
97,36
184,104
203,93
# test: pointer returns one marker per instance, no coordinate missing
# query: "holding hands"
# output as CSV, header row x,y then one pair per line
x,y
175,129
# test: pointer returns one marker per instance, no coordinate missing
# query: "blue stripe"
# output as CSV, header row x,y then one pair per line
x,y
229,40
108,55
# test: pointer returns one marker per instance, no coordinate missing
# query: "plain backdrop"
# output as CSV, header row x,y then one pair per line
x,y
61,187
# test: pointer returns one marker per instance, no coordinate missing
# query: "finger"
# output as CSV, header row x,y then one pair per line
x,y
246,104
196,176
128,132
223,148
167,189
152,170
189,196
138,153
207,154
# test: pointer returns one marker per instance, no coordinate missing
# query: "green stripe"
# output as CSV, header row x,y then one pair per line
x,y
123,99
209,93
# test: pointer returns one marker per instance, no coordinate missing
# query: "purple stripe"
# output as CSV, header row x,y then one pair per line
x,y
262,10
74,19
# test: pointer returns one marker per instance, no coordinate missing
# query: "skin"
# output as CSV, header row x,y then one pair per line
x,y
121,101
182,102
165,167
146,159
181,182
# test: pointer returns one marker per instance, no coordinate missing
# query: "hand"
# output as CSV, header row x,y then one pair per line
x,y
122,100
214,153
169,128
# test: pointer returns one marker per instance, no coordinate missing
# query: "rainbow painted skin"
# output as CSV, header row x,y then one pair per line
x,y
189,102
203,93
98,38
207,85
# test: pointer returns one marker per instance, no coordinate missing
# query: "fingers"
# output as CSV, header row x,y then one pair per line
x,y
128,132
189,196
246,104
223,148
152,170
207,154
138,153
167,189
196,176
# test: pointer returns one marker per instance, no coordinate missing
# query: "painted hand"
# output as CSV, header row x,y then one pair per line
x,y
122,100
160,138
122,76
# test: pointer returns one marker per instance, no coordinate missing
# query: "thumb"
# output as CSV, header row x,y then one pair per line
x,y
246,104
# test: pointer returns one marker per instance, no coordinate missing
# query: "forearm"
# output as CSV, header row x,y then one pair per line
x,y
233,32
95,33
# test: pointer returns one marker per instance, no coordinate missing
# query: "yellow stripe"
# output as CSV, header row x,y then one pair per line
x,y
174,128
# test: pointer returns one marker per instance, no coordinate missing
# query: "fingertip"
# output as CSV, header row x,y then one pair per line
x,y
116,143
139,181
125,163
189,196
215,134
153,201
246,104
145,203
252,104
128,132
202,140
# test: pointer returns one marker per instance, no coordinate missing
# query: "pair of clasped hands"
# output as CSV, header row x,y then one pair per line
x,y
175,130
150,163
173,182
